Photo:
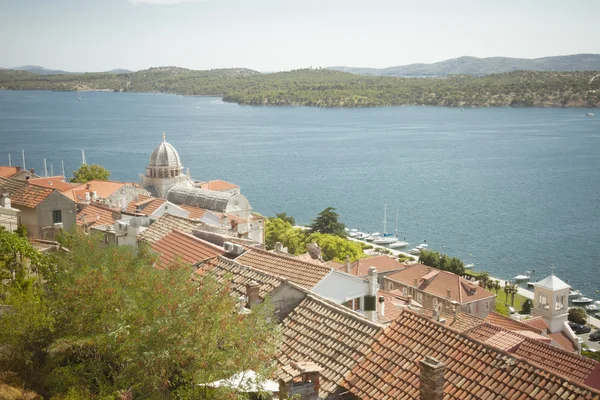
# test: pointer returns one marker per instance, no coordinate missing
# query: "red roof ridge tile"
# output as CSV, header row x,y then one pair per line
x,y
205,242
277,255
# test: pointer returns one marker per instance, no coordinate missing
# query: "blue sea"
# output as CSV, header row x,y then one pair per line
x,y
508,189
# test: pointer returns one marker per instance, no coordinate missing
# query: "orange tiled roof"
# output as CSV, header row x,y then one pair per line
x,y
537,323
459,321
563,341
383,264
103,189
7,172
145,205
23,194
391,370
237,275
52,182
95,214
508,323
302,273
164,225
195,212
187,248
552,358
218,185
332,336
439,283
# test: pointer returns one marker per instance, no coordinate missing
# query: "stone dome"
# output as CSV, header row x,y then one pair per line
x,y
165,155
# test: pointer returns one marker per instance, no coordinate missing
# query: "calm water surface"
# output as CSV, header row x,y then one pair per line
x,y
507,189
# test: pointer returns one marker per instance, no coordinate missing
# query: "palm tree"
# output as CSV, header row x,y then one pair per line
x,y
513,289
484,278
496,286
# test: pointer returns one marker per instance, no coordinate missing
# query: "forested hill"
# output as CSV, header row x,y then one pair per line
x,y
485,66
327,88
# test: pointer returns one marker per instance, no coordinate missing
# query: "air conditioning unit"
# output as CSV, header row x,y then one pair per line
x,y
238,249
228,247
58,225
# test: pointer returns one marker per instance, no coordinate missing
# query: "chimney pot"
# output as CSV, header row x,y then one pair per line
x,y
381,306
279,247
348,268
416,282
18,169
32,171
448,293
88,186
431,379
252,293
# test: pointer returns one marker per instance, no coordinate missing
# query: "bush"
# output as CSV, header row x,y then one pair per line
x,y
502,308
526,307
404,258
578,315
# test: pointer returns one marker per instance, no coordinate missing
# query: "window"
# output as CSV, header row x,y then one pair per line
x,y
543,301
353,304
419,298
435,302
487,306
56,216
404,291
469,309
560,303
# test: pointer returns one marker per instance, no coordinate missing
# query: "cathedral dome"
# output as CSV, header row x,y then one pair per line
x,y
164,155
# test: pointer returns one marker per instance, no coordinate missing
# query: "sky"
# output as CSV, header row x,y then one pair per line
x,y
278,35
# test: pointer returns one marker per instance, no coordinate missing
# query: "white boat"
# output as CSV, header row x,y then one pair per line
x,y
423,246
574,293
398,245
361,235
469,266
415,251
79,96
385,240
589,114
369,238
375,234
521,278
582,300
592,307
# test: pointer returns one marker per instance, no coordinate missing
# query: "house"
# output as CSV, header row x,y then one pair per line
x,y
385,265
164,225
154,207
9,216
42,210
419,358
17,173
434,288
53,182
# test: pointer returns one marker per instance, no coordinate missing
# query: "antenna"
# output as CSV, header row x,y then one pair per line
x,y
552,268
83,158
45,169
23,154
63,169
51,170
9,161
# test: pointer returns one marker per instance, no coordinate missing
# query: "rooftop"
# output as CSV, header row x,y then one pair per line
x,y
391,370
218,185
103,189
164,225
7,172
332,336
537,323
184,247
438,282
95,214
383,264
145,205
23,194
300,272
552,283
194,211
508,323
53,182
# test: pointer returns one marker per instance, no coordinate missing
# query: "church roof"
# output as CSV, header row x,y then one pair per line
x,y
208,199
164,155
552,283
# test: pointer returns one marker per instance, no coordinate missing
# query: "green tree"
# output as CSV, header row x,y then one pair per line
x,y
526,307
484,278
328,222
279,230
577,315
431,258
286,218
336,248
496,286
502,309
87,173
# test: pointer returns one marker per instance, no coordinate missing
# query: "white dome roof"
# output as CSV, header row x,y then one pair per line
x,y
164,155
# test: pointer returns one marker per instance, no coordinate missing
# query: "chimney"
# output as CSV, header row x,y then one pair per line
x,y
32,171
448,294
242,301
279,247
372,293
88,186
409,299
87,196
416,282
5,200
18,169
348,263
252,293
431,379
381,306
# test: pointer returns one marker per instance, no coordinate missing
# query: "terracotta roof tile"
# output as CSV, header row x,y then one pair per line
x,y
537,323
563,341
103,189
195,212
145,205
460,321
564,363
53,182
237,275
7,172
94,214
187,248
508,323
439,282
218,185
383,264
300,272
164,225
331,336
391,370
23,194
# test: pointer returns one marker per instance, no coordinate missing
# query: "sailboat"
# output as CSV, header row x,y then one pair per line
x,y
387,238
79,96
398,244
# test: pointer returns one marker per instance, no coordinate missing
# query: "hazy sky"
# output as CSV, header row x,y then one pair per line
x,y
272,35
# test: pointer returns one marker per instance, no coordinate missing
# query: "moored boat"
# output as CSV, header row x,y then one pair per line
x,y
398,245
415,251
582,300
573,293
385,240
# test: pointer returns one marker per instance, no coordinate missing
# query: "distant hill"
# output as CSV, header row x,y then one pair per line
x,y
485,66
35,69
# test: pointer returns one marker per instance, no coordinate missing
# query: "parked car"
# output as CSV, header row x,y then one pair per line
x,y
595,336
579,329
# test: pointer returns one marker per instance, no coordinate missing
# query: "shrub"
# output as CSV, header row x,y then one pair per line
x,y
578,315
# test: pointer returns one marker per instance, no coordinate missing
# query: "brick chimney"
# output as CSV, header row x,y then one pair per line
x,y
373,288
348,268
432,379
32,171
18,168
252,293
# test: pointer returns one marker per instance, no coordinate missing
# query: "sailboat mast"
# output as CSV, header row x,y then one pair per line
x,y
9,161
384,217
45,169
51,170
23,154
83,158
396,222
63,169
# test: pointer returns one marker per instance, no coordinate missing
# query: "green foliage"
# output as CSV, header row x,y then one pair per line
x,y
501,308
578,315
442,261
526,307
328,222
87,173
327,88
108,321
336,248
594,355
286,218
404,258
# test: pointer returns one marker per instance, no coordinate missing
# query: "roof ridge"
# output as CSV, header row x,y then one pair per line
x,y
506,353
177,230
324,267
343,310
